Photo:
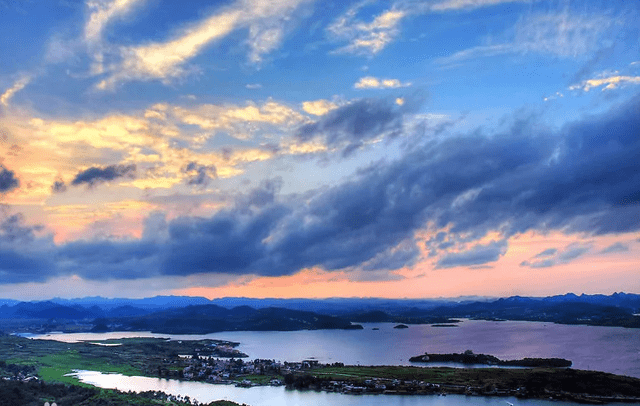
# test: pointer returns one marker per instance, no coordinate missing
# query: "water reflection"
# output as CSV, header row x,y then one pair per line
x,y
280,396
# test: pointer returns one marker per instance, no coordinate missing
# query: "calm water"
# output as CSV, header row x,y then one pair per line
x,y
279,396
609,349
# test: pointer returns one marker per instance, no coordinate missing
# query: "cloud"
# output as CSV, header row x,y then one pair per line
x,y
161,140
94,175
370,82
58,186
565,35
200,175
449,5
102,12
611,82
617,247
266,21
552,256
17,86
241,119
572,252
366,38
8,180
25,257
581,178
319,107
477,255
547,253
370,38
14,231
261,196
350,126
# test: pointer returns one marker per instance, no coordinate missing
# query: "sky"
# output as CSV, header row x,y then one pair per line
x,y
304,148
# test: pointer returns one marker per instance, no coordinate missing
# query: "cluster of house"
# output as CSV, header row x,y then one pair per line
x,y
235,370
13,372
23,377
225,370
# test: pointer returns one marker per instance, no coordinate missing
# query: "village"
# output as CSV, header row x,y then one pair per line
x,y
242,373
307,374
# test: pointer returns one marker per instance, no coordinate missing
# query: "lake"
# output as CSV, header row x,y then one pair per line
x,y
608,349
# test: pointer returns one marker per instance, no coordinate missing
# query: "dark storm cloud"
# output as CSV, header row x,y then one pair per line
x,y
24,257
13,230
477,255
261,196
8,180
584,178
350,126
405,255
17,267
103,260
94,175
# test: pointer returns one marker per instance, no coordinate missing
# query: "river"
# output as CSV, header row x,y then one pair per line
x,y
280,396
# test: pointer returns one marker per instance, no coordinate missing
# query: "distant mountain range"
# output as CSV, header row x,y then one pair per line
x,y
185,314
210,318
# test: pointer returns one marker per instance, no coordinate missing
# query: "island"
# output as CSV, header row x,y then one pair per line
x,y
468,357
401,326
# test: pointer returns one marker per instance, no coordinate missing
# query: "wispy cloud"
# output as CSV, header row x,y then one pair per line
x,y
615,248
370,82
102,12
551,257
565,35
166,60
369,38
366,38
448,5
17,86
479,254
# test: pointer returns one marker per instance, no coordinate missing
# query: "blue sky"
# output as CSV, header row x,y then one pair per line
x,y
300,148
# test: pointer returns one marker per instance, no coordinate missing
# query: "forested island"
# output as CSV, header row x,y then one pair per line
x,y
468,357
